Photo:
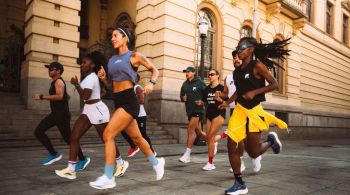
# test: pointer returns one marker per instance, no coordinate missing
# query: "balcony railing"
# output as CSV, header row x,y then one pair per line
x,y
292,8
296,5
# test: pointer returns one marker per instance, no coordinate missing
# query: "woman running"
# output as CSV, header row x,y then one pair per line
x,y
214,117
249,119
95,113
122,71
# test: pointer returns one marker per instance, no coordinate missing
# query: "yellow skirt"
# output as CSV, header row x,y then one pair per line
x,y
236,129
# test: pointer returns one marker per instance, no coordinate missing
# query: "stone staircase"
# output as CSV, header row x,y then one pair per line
x,y
17,126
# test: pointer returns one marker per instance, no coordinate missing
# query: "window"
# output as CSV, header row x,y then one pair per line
x,y
345,29
246,31
280,74
329,18
309,10
84,22
209,45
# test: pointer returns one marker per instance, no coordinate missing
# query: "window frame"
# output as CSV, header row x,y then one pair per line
x,y
331,19
346,40
282,81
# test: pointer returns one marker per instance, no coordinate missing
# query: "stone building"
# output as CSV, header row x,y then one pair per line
x,y
314,92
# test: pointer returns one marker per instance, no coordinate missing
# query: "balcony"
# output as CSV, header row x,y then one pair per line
x,y
295,9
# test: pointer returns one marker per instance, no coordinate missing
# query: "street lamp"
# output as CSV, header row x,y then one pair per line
x,y
203,31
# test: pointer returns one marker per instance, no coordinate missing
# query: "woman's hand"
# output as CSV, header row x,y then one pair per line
x,y
102,73
36,96
223,106
74,80
249,95
218,96
148,88
199,102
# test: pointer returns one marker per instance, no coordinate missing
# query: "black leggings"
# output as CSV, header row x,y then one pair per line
x,y
62,121
141,122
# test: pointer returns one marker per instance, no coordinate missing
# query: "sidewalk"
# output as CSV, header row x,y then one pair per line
x,y
303,167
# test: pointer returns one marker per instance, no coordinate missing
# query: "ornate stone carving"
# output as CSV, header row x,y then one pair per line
x,y
298,24
272,9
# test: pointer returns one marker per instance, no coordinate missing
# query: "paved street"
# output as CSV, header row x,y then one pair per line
x,y
303,167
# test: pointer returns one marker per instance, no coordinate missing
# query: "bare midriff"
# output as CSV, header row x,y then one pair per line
x,y
119,86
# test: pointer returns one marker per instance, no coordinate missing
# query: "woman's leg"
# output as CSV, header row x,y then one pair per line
x,y
214,128
135,134
253,146
79,129
100,129
192,126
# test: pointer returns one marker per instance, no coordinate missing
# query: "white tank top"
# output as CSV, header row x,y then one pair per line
x,y
231,87
142,108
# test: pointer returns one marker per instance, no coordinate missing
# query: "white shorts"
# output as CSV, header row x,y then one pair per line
x,y
97,113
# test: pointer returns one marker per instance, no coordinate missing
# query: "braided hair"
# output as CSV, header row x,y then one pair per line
x,y
264,51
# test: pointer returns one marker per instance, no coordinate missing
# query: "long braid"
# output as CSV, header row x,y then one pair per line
x,y
264,51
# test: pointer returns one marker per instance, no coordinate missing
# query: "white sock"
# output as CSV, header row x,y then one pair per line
x,y
71,165
188,152
119,160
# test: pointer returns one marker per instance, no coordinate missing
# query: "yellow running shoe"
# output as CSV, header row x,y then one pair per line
x,y
66,173
120,169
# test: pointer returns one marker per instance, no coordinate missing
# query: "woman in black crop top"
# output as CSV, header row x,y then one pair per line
x,y
214,117
125,65
249,118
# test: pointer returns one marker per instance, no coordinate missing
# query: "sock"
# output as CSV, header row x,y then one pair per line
x,y
210,159
223,135
153,160
71,165
119,160
109,171
239,179
188,152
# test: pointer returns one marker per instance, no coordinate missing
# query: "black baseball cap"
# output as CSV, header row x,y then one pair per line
x,y
56,65
189,69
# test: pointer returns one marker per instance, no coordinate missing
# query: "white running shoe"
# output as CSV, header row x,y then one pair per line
x,y
159,168
215,148
230,170
120,169
103,182
242,165
209,167
257,164
185,159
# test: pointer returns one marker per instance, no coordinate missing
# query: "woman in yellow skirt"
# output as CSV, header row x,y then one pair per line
x,y
249,119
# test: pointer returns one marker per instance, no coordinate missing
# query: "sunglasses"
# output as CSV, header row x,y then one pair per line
x,y
211,74
52,69
243,47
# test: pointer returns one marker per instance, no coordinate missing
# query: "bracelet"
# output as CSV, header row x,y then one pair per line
x,y
41,96
153,81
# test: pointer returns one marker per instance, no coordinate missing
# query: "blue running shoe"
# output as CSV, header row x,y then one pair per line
x,y
237,189
276,143
81,165
52,158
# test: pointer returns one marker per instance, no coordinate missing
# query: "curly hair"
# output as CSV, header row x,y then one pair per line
x,y
264,51
98,59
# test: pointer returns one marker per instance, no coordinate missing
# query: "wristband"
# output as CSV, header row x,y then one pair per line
x,y
153,81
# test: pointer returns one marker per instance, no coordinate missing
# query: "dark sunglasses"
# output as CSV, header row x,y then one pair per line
x,y
52,69
211,74
243,47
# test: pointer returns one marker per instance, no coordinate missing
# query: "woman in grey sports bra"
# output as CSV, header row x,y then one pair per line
x,y
122,74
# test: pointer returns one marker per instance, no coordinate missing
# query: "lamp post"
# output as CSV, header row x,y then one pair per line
x,y
203,31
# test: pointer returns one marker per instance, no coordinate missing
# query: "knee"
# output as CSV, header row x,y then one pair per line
x,y
107,136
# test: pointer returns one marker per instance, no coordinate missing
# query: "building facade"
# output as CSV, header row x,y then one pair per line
x,y
314,92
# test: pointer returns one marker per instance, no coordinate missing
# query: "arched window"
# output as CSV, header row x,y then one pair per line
x,y
279,73
210,43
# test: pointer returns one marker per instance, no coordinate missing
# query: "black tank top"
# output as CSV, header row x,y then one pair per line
x,y
59,107
245,81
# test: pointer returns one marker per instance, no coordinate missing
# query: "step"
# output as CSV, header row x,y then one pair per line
x,y
10,99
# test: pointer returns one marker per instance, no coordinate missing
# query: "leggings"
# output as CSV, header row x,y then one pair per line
x,y
141,122
62,121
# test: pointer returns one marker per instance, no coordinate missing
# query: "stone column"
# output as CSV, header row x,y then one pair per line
x,y
51,35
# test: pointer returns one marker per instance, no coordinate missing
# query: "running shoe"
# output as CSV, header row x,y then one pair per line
x,y
103,182
276,143
185,159
133,151
209,167
81,165
215,148
66,173
237,189
159,168
256,164
120,169
52,158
